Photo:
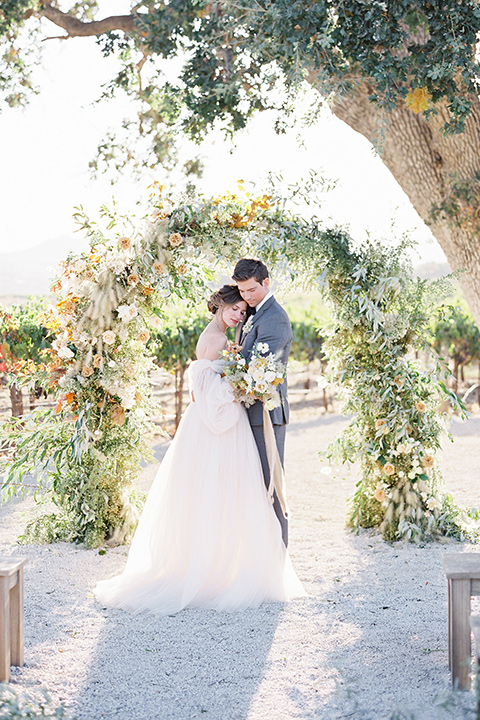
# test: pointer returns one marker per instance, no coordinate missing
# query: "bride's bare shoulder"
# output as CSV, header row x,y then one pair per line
x,y
210,344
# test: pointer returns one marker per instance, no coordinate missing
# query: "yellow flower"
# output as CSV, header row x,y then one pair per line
x,y
108,337
418,100
118,415
379,494
428,461
124,243
133,279
158,267
144,336
388,469
175,240
87,371
147,290
420,406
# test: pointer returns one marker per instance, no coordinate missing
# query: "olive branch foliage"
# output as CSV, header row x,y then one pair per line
x,y
88,451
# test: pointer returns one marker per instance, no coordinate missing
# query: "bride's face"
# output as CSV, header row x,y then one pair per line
x,y
233,314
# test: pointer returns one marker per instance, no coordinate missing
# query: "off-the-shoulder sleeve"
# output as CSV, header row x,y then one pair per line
x,y
213,396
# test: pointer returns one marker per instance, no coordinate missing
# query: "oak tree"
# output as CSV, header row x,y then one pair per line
x,y
403,73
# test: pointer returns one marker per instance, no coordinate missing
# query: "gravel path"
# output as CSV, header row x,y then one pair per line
x,y
370,639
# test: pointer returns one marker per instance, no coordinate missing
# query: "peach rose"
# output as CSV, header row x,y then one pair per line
x,y
158,267
147,290
175,240
379,494
124,243
118,415
144,336
388,469
428,461
108,337
420,406
380,423
133,279
97,361
87,371
129,369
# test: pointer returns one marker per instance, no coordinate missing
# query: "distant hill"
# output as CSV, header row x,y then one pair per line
x,y
432,270
29,272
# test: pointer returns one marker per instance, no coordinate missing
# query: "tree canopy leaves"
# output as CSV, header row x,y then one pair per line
x,y
237,55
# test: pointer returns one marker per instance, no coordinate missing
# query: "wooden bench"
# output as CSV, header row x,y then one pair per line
x,y
11,614
475,625
463,576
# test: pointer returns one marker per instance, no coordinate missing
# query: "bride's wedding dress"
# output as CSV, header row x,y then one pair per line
x,y
208,536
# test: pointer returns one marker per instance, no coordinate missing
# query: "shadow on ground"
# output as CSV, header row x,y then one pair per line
x,y
197,663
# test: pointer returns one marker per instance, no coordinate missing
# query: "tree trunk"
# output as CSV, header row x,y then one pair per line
x,y
16,400
423,161
456,365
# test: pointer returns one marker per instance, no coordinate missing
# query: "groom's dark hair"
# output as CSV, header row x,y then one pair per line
x,y
247,268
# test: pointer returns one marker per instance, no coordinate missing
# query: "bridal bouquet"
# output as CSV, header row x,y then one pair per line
x,y
256,380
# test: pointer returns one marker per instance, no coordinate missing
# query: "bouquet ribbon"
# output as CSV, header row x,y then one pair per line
x,y
277,475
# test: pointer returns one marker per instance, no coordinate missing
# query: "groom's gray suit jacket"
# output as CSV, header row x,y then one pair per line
x,y
269,325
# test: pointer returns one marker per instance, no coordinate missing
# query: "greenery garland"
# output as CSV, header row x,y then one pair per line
x,y
88,450
380,322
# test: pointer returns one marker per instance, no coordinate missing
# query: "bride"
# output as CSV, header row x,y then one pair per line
x,y
208,536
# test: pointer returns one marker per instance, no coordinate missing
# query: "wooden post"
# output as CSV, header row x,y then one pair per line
x,y
475,625
4,632
16,620
460,632
11,614
463,576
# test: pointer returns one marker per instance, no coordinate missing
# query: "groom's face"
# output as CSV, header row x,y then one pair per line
x,y
252,291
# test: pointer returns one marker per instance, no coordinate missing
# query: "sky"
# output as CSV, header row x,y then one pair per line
x,y
46,148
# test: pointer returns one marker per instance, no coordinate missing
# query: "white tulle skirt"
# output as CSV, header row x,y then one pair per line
x,y
208,536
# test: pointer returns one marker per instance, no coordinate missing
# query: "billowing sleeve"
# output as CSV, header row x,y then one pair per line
x,y
213,396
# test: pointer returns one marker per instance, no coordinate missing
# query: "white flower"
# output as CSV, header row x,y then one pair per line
x,y
108,337
433,504
261,386
116,263
127,312
247,327
270,376
156,322
263,348
64,352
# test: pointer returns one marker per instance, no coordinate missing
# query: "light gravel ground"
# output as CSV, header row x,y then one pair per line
x,y
370,639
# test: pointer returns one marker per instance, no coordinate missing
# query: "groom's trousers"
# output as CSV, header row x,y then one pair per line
x,y
280,432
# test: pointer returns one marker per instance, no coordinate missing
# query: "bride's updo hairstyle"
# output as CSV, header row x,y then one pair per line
x,y
227,295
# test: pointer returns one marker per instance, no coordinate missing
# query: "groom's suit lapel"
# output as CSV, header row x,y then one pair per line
x,y
258,315
264,307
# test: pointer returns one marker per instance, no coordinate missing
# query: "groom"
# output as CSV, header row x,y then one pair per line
x,y
268,322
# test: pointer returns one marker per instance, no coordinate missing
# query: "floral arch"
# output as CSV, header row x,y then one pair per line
x,y
87,451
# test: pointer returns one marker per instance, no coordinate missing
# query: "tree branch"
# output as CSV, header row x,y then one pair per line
x,y
78,28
